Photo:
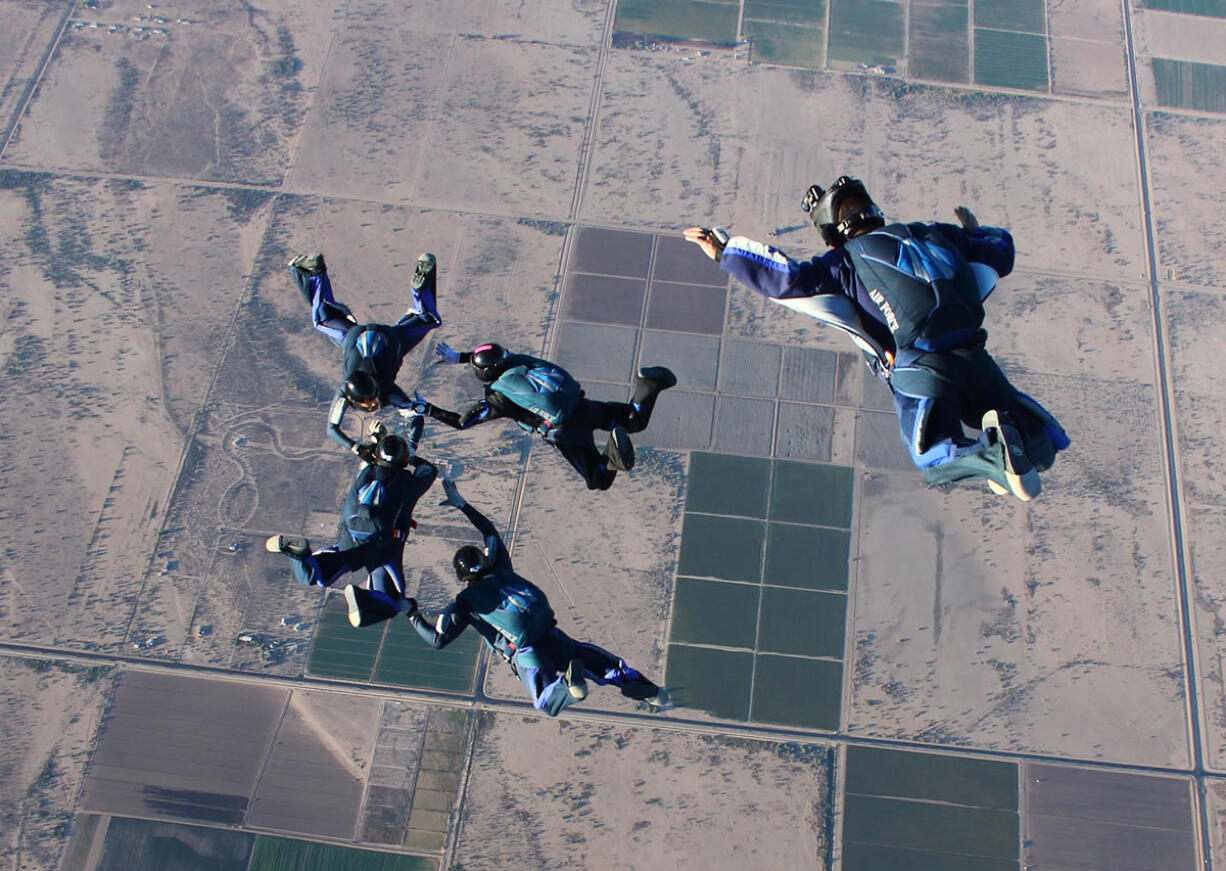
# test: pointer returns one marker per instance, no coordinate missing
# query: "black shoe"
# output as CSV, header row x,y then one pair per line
x,y
1020,477
576,685
657,377
291,545
367,609
619,452
311,264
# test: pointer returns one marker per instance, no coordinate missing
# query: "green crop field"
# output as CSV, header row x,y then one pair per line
x,y
1010,60
866,31
287,854
940,43
407,660
810,12
1024,15
1187,85
787,44
144,845
706,20
1212,8
341,651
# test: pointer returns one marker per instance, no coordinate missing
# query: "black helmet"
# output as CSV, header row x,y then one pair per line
x,y
469,563
362,390
823,207
392,451
489,361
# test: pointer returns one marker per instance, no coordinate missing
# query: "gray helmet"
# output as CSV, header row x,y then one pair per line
x,y
822,207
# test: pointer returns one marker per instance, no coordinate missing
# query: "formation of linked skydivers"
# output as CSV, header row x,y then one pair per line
x,y
910,296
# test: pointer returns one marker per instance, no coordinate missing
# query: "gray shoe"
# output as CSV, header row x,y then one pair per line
x,y
620,450
312,264
291,545
576,685
657,377
1020,477
423,271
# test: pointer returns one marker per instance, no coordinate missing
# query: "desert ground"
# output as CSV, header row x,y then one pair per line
x,y
1037,671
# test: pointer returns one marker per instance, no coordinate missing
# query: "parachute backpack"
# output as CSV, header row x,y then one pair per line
x,y
545,389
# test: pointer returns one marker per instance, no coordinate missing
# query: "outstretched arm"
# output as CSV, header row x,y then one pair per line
x,y
336,415
764,268
495,547
478,412
446,628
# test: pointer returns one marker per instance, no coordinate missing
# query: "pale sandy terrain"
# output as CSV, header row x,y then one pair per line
x,y
167,402
52,714
702,800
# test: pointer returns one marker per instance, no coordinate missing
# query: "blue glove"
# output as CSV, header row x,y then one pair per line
x,y
448,353
418,404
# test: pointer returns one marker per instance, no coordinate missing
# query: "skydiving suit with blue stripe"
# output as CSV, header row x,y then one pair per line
x,y
910,297
375,522
514,618
542,397
375,348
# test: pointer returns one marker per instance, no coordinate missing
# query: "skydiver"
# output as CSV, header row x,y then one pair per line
x,y
375,522
543,397
911,297
371,353
514,618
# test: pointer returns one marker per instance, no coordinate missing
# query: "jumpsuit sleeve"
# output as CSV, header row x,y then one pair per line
x,y
397,398
446,627
336,414
770,272
496,548
991,246
478,412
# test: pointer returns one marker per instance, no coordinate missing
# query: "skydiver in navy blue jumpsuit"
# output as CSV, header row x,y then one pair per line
x,y
514,618
543,397
910,297
371,354
376,519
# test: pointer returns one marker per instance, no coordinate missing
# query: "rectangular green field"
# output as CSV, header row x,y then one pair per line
x,y
874,857
797,692
813,493
1010,60
915,825
287,854
1187,85
932,777
810,12
1024,15
940,43
144,845
277,854
715,612
802,622
341,651
407,660
866,31
1211,8
715,681
722,547
811,557
727,484
786,44
706,20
